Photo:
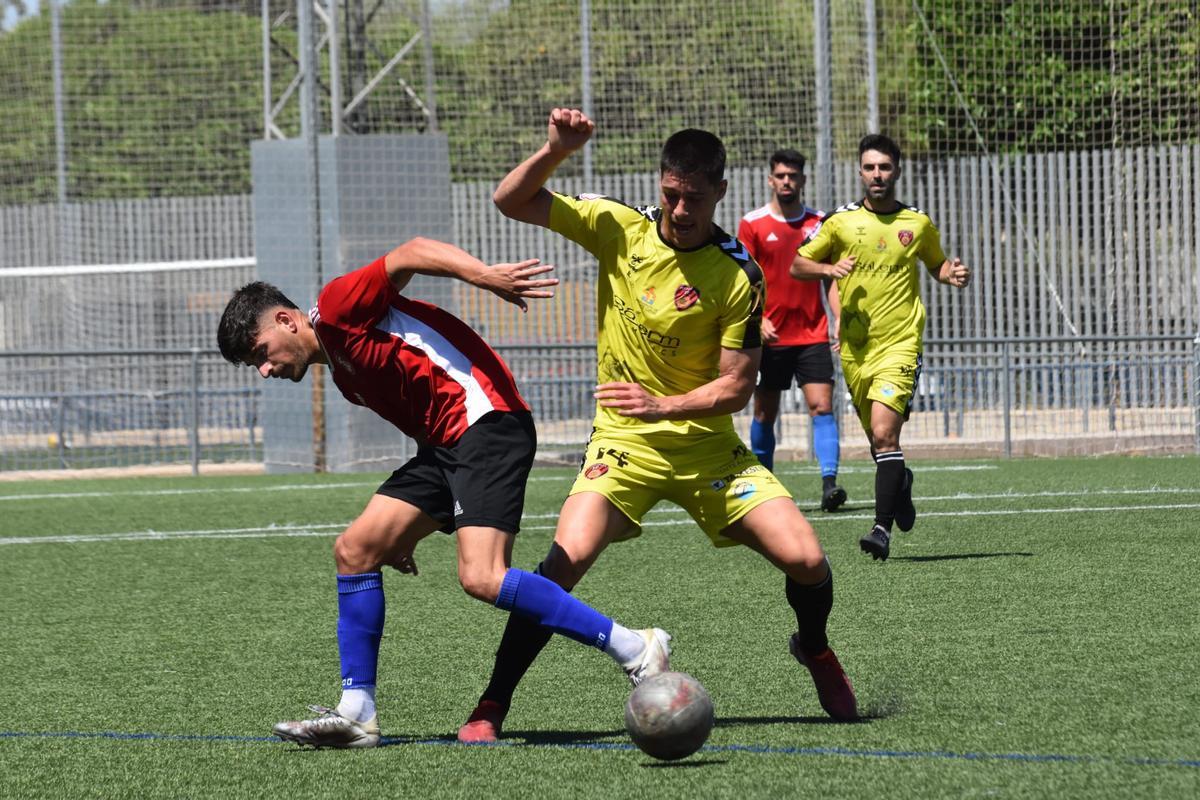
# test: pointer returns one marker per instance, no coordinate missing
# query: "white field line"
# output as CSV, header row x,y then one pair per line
x,y
299,487
675,518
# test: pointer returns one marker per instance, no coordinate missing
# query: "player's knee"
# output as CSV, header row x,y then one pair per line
x,y
355,556
883,438
482,584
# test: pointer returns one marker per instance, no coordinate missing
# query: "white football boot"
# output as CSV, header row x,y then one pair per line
x,y
654,659
329,729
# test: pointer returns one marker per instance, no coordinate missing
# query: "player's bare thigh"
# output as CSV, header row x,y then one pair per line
x,y
778,531
587,524
385,532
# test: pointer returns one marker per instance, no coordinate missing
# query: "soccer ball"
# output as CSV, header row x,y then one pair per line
x,y
669,716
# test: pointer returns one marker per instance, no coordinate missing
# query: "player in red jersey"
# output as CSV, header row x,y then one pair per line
x,y
795,329
434,378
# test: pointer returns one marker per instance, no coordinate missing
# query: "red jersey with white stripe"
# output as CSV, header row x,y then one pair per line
x,y
793,307
417,366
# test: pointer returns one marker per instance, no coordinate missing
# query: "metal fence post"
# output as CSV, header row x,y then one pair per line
x,y
1196,387
194,428
1008,401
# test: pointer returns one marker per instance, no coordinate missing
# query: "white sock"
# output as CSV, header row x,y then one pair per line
x,y
357,704
624,645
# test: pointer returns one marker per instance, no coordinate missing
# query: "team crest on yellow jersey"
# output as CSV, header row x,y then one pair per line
x,y
905,237
686,297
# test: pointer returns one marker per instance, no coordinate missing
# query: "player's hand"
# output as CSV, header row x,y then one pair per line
x,y
515,282
403,562
569,130
630,400
841,269
956,273
835,342
769,334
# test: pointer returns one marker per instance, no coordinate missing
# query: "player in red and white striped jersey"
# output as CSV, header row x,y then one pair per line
x,y
434,378
795,329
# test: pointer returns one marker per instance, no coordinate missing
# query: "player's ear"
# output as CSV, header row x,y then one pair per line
x,y
721,187
283,318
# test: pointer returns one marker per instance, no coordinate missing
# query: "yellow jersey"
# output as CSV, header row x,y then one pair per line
x,y
663,314
881,299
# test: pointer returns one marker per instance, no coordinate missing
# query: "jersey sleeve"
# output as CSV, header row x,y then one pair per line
x,y
741,321
358,298
589,220
931,247
820,242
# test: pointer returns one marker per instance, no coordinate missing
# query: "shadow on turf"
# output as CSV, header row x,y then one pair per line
x,y
961,556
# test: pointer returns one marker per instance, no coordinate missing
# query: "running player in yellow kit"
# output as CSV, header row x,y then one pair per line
x,y
871,249
679,308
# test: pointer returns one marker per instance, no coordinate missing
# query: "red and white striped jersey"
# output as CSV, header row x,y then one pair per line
x,y
417,366
793,307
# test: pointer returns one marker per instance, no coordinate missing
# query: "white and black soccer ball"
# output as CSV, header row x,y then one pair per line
x,y
669,716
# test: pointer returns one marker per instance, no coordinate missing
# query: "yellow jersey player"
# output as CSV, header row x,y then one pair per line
x,y
679,305
871,249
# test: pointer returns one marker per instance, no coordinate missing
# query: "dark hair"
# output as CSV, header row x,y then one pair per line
x,y
793,158
693,151
877,141
238,328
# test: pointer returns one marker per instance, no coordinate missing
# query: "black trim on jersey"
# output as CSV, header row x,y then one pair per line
x,y
732,247
862,205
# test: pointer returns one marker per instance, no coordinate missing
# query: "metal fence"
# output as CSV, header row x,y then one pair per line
x,y
976,397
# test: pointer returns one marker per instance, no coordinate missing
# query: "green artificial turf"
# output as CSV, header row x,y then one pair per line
x,y
1036,635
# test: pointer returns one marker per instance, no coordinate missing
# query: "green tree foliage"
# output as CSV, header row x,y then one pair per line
x,y
1038,76
163,96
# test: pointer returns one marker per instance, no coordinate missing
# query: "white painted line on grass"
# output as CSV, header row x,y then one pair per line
x,y
328,529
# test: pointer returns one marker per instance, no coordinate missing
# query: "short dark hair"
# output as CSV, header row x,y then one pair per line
x,y
238,329
877,141
691,151
793,158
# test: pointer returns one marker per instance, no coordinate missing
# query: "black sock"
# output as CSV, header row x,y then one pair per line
x,y
812,604
889,481
828,482
523,639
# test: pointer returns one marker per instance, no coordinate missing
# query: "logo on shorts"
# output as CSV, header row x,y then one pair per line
x,y
887,390
718,484
743,489
905,237
595,471
686,297
457,509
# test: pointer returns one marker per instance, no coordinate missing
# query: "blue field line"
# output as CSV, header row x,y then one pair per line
x,y
845,752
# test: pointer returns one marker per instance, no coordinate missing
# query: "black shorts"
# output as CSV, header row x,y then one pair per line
x,y
478,480
809,363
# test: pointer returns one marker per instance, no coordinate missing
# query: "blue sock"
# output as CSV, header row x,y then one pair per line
x,y
359,627
762,442
825,443
549,605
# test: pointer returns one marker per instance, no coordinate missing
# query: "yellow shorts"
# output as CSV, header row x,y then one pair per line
x,y
888,377
715,478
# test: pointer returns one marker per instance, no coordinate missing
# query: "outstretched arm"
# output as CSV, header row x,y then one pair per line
x,y
522,194
512,282
728,393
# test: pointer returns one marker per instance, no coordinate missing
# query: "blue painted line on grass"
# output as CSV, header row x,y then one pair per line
x,y
846,752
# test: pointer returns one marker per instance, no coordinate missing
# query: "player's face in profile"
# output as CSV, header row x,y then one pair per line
x,y
786,182
878,173
278,350
689,203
